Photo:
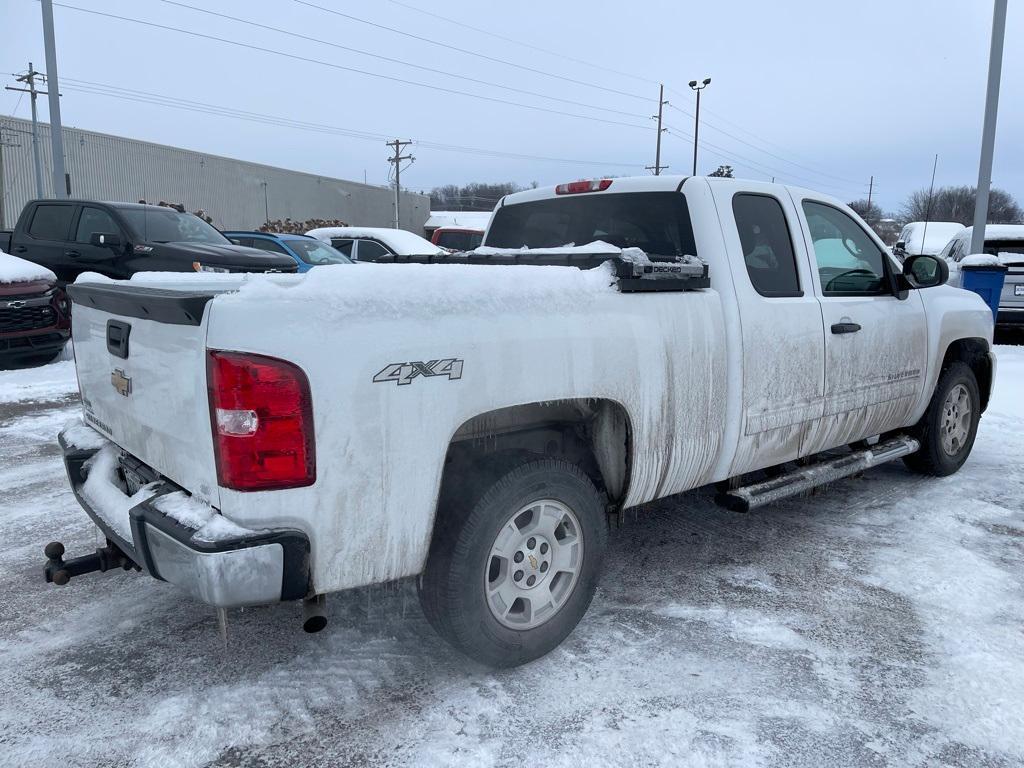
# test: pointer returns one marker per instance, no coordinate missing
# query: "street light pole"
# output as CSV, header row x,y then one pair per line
x,y
988,132
696,117
53,92
266,204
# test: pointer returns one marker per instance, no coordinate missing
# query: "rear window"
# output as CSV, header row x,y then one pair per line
x,y
656,222
51,222
460,241
995,247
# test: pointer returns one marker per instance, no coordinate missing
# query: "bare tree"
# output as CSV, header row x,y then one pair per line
x,y
870,212
957,204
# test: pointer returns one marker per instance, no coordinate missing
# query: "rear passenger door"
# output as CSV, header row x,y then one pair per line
x,y
876,344
46,238
781,326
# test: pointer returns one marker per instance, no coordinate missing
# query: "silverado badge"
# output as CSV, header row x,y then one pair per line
x,y
120,382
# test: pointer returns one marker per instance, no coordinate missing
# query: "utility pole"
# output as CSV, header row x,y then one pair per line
x,y
871,188
658,167
29,78
266,204
988,132
53,92
397,146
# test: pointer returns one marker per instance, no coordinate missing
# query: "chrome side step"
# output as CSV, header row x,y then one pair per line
x,y
748,497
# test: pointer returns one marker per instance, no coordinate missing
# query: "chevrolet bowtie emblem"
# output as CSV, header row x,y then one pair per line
x,y
120,382
16,304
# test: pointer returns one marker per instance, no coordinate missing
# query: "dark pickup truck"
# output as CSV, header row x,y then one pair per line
x,y
70,237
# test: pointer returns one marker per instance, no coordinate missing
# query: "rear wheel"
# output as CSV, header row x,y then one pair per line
x,y
949,426
511,574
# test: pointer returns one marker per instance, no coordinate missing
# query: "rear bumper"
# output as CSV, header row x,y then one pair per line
x,y
260,567
1013,318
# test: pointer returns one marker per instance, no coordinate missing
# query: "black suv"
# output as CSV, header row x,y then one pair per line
x,y
119,239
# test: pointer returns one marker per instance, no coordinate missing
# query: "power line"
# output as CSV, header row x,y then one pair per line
x,y
308,60
755,165
760,149
484,56
531,46
148,97
279,30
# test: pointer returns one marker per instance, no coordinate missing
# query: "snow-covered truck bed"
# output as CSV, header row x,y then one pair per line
x,y
273,437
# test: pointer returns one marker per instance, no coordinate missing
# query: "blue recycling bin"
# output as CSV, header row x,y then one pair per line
x,y
986,281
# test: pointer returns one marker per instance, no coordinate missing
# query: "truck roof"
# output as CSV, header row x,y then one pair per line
x,y
111,203
662,183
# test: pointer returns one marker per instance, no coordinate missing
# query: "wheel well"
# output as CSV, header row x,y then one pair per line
x,y
591,432
973,352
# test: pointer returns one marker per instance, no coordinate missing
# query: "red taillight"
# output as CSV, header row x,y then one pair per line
x,y
575,187
262,419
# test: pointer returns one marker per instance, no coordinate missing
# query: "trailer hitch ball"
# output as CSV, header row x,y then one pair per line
x,y
54,552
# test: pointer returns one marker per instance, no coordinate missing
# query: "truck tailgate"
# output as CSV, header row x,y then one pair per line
x,y
141,359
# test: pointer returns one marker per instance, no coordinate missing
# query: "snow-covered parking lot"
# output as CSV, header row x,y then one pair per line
x,y
878,623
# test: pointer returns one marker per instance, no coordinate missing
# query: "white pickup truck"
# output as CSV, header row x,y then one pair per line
x,y
477,423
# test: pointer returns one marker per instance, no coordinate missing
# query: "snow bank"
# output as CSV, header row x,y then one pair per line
x,y
15,270
46,382
425,291
208,523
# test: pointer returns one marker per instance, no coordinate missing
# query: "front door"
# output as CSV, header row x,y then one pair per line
x,y
876,344
99,258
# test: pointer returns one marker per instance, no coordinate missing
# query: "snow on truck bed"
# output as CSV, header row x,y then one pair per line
x,y
15,270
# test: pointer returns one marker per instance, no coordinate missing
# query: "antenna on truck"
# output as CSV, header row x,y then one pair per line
x,y
928,210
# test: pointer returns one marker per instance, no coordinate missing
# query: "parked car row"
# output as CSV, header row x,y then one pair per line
x,y
951,241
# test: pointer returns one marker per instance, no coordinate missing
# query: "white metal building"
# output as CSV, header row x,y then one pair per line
x,y
236,193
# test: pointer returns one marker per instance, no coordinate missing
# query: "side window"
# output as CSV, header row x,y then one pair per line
x,y
849,262
51,222
954,251
343,245
267,245
246,241
767,245
371,250
94,220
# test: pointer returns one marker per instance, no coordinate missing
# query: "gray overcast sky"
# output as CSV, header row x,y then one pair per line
x,y
821,94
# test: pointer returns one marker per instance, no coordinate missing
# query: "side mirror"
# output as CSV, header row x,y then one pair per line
x,y
901,245
105,240
925,271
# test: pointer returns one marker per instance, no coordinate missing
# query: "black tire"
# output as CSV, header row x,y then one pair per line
x,y
453,588
933,458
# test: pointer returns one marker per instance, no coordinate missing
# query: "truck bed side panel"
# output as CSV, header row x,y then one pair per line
x,y
381,445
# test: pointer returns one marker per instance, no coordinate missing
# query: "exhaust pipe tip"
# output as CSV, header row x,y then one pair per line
x,y
314,615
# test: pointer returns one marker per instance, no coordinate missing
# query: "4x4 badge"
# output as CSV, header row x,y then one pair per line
x,y
121,383
404,373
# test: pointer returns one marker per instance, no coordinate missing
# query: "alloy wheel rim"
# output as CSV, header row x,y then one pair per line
x,y
533,564
956,420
